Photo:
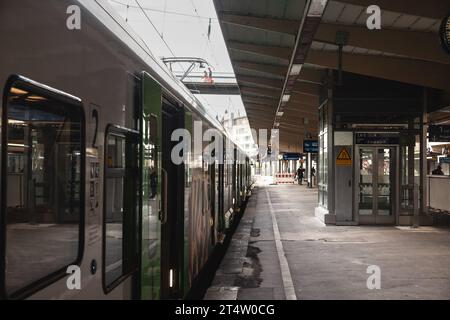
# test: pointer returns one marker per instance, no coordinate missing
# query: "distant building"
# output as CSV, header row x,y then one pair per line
x,y
238,128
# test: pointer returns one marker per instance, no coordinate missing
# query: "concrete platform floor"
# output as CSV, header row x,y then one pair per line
x,y
326,262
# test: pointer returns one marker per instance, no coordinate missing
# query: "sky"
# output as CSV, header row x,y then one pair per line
x,y
180,28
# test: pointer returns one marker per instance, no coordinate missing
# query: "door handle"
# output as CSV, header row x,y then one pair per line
x,y
349,183
163,210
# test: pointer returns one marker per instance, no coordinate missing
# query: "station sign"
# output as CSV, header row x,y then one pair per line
x,y
344,158
311,146
439,133
444,160
291,156
377,138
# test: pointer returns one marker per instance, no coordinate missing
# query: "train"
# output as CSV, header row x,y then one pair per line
x,y
92,205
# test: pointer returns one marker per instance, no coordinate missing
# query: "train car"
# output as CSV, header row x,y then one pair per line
x,y
89,191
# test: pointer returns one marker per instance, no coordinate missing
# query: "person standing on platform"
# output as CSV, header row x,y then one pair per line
x,y
300,175
438,171
313,176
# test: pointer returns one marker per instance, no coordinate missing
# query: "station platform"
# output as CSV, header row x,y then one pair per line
x,y
282,251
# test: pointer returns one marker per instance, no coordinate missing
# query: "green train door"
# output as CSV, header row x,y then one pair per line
x,y
172,232
151,147
162,209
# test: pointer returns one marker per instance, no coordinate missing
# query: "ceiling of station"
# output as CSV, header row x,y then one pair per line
x,y
279,9
350,14
261,37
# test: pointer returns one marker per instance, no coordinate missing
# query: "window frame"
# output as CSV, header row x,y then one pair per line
x,y
55,94
118,130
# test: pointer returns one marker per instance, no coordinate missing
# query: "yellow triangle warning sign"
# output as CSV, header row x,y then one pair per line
x,y
344,158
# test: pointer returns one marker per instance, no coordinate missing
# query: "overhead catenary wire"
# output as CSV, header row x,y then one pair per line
x,y
167,12
164,18
139,6
208,39
208,43
160,35
154,27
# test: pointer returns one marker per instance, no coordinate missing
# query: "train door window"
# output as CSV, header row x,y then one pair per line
x,y
121,206
131,108
42,183
150,182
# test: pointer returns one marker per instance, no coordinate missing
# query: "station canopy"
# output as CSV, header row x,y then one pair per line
x,y
281,49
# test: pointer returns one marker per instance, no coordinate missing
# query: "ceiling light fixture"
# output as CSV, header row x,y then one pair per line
x,y
296,69
317,8
286,98
18,91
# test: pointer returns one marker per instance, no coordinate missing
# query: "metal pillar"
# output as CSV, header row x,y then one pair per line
x,y
309,164
416,205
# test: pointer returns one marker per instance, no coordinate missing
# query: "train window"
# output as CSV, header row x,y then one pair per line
x,y
150,178
43,183
121,206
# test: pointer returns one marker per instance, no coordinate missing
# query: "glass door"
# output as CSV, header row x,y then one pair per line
x,y
384,182
375,185
366,182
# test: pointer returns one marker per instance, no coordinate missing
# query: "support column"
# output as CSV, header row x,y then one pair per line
x,y
325,211
331,155
309,161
